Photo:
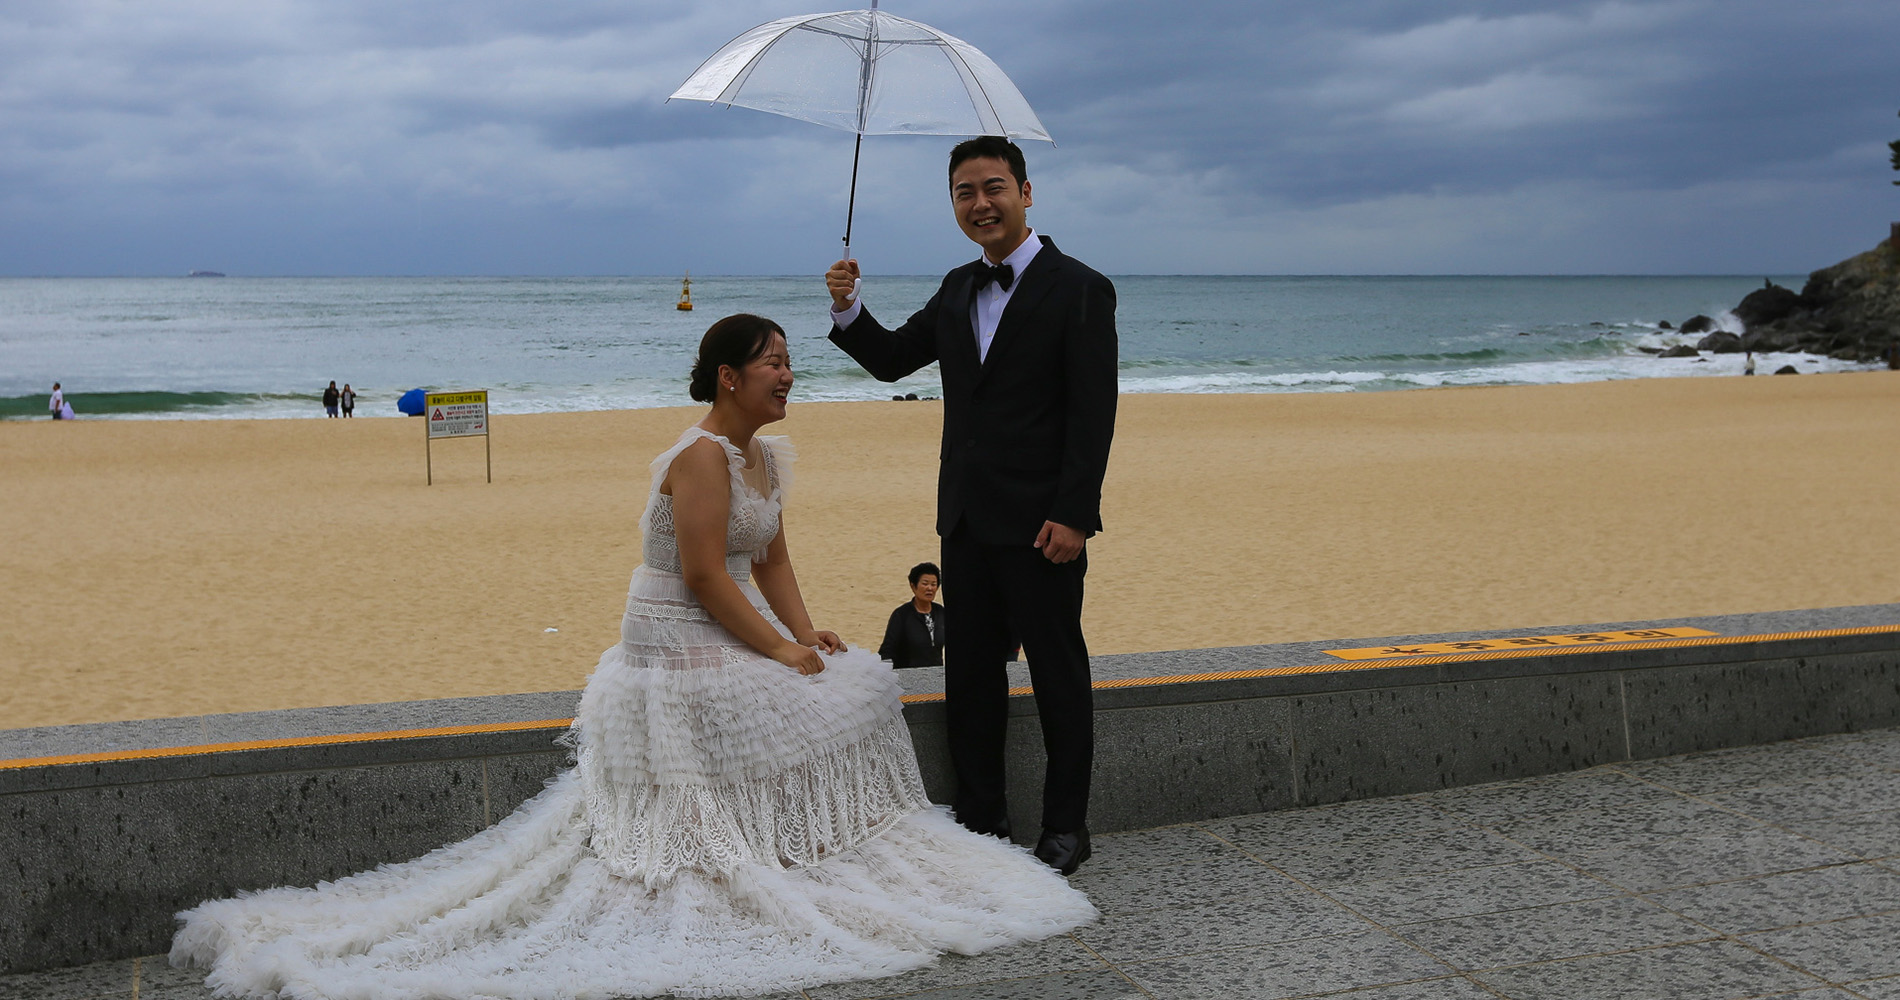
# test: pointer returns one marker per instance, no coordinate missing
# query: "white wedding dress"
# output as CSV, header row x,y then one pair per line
x,y
729,827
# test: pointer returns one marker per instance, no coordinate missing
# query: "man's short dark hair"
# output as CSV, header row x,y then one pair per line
x,y
990,145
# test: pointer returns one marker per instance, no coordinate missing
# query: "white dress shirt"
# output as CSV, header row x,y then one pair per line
x,y
992,298
986,311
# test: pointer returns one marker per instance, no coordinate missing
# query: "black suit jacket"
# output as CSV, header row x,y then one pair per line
x,y
1026,431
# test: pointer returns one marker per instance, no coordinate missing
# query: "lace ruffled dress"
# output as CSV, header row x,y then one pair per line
x,y
729,827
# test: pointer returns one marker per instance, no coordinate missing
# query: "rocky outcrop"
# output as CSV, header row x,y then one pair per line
x,y
1680,351
1698,324
1768,304
1849,311
1720,342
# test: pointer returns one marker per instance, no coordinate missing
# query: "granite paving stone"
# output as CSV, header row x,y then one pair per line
x,y
1707,970
1292,969
1840,950
1743,767
1448,988
1505,801
1059,954
1870,834
1700,860
1104,985
1233,922
1587,830
1470,891
1131,891
1804,897
156,971
1884,988
1543,933
1421,854
1368,819
1832,796
1116,852
1878,750
73,983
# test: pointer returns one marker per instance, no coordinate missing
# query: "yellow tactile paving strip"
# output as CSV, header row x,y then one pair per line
x,y
1425,655
1517,642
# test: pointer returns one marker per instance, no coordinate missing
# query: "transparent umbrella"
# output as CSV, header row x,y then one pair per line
x,y
868,72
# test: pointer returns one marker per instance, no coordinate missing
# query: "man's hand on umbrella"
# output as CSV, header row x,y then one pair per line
x,y
841,280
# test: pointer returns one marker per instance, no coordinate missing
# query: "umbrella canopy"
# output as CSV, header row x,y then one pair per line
x,y
868,72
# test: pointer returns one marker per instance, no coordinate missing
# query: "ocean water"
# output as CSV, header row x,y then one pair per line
x,y
265,347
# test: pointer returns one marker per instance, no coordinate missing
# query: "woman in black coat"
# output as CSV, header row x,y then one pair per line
x,y
914,636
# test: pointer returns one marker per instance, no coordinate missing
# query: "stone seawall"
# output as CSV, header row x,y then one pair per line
x,y
112,826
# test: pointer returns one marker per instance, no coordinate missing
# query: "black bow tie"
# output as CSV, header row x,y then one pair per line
x,y
1002,274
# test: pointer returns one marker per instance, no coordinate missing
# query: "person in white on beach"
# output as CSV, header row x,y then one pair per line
x,y
744,814
57,403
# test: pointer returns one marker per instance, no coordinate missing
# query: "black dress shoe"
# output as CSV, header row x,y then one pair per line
x,y
1064,852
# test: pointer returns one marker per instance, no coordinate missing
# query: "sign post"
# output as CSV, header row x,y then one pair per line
x,y
453,415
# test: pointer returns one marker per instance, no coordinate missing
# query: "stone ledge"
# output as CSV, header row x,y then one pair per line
x,y
99,846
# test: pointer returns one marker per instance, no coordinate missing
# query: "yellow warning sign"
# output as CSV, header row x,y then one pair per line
x,y
453,415
1523,642
457,414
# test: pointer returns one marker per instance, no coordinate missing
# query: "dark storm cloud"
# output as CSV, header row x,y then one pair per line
x,y
1375,135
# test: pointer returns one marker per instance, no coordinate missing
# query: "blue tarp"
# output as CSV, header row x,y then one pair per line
x,y
411,402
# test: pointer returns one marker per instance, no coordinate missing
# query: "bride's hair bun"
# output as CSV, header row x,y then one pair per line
x,y
736,341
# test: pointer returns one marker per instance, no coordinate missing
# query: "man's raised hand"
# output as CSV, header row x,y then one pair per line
x,y
841,281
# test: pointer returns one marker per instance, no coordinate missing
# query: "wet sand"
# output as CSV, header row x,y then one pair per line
x,y
161,568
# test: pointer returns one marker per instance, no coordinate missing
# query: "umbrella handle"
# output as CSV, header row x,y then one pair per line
x,y
857,284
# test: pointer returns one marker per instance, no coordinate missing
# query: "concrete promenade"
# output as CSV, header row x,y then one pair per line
x,y
1746,872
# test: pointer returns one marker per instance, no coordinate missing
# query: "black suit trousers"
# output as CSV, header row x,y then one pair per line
x,y
1000,593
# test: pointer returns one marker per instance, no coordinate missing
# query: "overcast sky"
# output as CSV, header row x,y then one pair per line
x,y
1346,137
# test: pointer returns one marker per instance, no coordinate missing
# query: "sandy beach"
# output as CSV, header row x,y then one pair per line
x,y
162,568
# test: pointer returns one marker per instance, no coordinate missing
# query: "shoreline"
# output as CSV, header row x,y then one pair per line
x,y
32,406
183,567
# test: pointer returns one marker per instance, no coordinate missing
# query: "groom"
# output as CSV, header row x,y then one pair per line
x,y
1025,343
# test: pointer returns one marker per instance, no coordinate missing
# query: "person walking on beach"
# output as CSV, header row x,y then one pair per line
x,y
57,403
1748,365
330,397
347,399
1025,341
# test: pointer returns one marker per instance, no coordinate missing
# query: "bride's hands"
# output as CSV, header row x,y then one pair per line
x,y
801,654
827,641
803,659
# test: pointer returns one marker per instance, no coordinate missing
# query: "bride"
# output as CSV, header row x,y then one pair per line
x,y
744,813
